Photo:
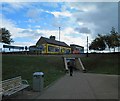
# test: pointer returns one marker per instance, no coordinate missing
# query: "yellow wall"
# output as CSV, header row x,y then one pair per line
x,y
45,48
62,49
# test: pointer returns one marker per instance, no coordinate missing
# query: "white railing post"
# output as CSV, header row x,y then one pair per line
x,y
66,67
81,64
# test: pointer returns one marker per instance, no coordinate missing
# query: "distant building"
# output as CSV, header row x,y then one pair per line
x,y
76,49
33,48
50,45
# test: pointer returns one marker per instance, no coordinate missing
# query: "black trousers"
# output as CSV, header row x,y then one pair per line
x,y
71,71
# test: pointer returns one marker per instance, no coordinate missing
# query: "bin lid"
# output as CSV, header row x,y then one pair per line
x,y
38,73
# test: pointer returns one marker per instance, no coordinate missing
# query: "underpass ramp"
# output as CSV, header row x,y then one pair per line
x,y
66,66
78,64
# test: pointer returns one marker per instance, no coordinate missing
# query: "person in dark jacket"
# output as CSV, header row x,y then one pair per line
x,y
71,65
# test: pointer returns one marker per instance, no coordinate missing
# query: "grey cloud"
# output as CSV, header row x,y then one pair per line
x,y
33,13
12,7
103,18
83,30
73,35
50,4
31,33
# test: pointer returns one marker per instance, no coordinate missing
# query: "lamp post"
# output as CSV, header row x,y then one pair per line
x,y
59,33
59,40
87,46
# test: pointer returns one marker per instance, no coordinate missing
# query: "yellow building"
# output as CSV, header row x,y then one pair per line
x,y
52,46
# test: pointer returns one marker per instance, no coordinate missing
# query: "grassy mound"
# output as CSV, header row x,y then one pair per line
x,y
12,66
102,63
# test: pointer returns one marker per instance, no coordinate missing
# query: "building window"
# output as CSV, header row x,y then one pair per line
x,y
68,51
57,49
63,50
53,49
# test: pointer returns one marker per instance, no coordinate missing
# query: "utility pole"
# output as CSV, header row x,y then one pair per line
x,y
59,40
59,33
87,46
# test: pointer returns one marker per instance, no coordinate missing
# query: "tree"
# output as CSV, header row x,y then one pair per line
x,y
26,48
115,38
112,40
118,43
98,43
101,42
93,45
5,36
108,41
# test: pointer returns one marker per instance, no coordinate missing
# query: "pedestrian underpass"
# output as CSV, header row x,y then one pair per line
x,y
78,64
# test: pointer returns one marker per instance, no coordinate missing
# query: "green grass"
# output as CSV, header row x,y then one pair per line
x,y
102,63
53,66
25,66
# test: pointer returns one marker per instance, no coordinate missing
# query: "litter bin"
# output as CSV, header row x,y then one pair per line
x,y
38,81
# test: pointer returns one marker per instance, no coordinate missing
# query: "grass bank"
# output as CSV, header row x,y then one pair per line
x,y
25,66
102,63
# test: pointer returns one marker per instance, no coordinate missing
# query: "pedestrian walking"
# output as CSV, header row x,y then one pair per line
x,y
71,66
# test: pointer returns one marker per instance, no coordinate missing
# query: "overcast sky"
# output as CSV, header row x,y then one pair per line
x,y
28,21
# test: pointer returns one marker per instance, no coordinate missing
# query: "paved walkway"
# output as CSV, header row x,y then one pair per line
x,y
83,86
79,86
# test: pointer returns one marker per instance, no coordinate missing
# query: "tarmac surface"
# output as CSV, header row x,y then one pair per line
x,y
78,86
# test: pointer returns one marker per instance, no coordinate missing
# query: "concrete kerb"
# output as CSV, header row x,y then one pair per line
x,y
102,74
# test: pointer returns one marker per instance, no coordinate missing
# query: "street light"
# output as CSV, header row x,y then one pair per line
x,y
59,33
59,40
87,46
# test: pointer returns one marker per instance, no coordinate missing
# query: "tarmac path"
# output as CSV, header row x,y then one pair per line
x,y
83,86
79,86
